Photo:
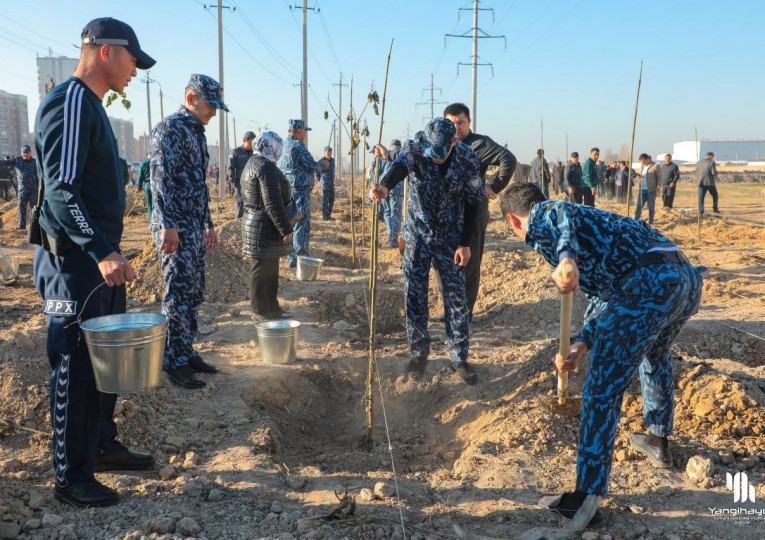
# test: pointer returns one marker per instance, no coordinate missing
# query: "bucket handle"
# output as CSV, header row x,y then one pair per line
x,y
85,303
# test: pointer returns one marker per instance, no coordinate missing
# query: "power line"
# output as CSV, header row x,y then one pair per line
x,y
38,33
328,38
269,48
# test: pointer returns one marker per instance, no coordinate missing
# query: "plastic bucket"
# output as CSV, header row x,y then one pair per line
x,y
9,270
308,268
278,341
126,350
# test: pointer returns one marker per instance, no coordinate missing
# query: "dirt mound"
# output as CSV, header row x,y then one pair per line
x,y
10,217
226,271
352,307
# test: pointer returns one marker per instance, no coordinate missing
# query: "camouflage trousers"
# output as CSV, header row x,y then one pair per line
x,y
301,232
184,275
327,199
422,252
27,197
392,206
635,329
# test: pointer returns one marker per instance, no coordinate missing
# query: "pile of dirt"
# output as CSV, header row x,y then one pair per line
x,y
226,272
10,217
352,307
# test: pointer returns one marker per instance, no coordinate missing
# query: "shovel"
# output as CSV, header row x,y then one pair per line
x,y
563,403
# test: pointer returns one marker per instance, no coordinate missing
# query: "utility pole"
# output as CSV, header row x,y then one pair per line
x,y
432,101
339,149
233,121
148,80
304,78
161,103
221,114
477,33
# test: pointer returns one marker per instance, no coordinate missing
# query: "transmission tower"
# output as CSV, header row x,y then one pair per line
x,y
431,90
475,33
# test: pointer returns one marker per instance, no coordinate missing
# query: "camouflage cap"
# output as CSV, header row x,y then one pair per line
x,y
437,138
395,142
298,124
209,89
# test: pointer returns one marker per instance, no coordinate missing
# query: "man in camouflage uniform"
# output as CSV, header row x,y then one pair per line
x,y
299,167
144,182
327,181
26,179
644,290
181,224
236,162
392,205
445,193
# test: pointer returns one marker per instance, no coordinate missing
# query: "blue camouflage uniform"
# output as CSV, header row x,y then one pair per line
x,y
181,201
442,210
390,207
27,184
643,291
299,167
327,181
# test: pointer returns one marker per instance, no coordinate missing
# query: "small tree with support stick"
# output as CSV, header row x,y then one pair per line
x,y
632,144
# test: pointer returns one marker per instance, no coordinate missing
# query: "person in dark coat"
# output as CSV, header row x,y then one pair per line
x,y
266,227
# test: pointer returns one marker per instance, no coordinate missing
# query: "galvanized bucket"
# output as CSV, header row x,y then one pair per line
x,y
308,268
278,341
126,350
9,270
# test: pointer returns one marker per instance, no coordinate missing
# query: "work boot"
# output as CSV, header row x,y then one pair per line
x,y
466,372
184,376
415,369
579,507
656,449
122,459
86,494
199,365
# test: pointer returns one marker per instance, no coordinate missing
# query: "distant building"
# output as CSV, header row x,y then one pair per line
x,y
14,123
141,147
741,150
52,71
123,132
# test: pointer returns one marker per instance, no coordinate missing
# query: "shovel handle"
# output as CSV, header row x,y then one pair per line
x,y
566,307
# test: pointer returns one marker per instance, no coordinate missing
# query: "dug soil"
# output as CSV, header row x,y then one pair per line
x,y
279,451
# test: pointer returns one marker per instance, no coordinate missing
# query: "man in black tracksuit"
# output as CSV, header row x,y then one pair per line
x,y
236,162
489,153
79,232
670,176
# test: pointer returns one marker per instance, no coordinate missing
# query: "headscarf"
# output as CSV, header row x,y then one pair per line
x,y
268,144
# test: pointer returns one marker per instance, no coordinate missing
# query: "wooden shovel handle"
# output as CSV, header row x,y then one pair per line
x,y
566,307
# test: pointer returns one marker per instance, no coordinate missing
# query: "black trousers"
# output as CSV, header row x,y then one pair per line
x,y
588,196
668,196
473,268
239,202
575,197
264,284
80,414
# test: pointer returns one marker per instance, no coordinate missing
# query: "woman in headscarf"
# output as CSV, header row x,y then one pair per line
x,y
266,227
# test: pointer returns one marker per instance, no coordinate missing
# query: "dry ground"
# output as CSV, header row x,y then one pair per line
x,y
262,450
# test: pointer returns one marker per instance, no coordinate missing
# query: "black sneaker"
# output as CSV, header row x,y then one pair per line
x,y
199,365
466,372
661,458
122,459
415,369
184,376
86,494
583,514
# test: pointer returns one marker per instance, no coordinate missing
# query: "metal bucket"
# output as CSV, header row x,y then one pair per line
x,y
9,270
308,268
126,350
278,341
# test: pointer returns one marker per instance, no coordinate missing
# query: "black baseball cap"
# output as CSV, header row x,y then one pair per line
x,y
109,31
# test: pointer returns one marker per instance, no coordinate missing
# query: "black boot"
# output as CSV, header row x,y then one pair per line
x,y
199,365
656,449
184,376
415,369
86,494
466,372
122,459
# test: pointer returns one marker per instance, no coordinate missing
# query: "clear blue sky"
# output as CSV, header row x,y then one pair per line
x,y
573,62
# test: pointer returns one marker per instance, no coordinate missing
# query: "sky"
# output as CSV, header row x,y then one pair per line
x,y
570,64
